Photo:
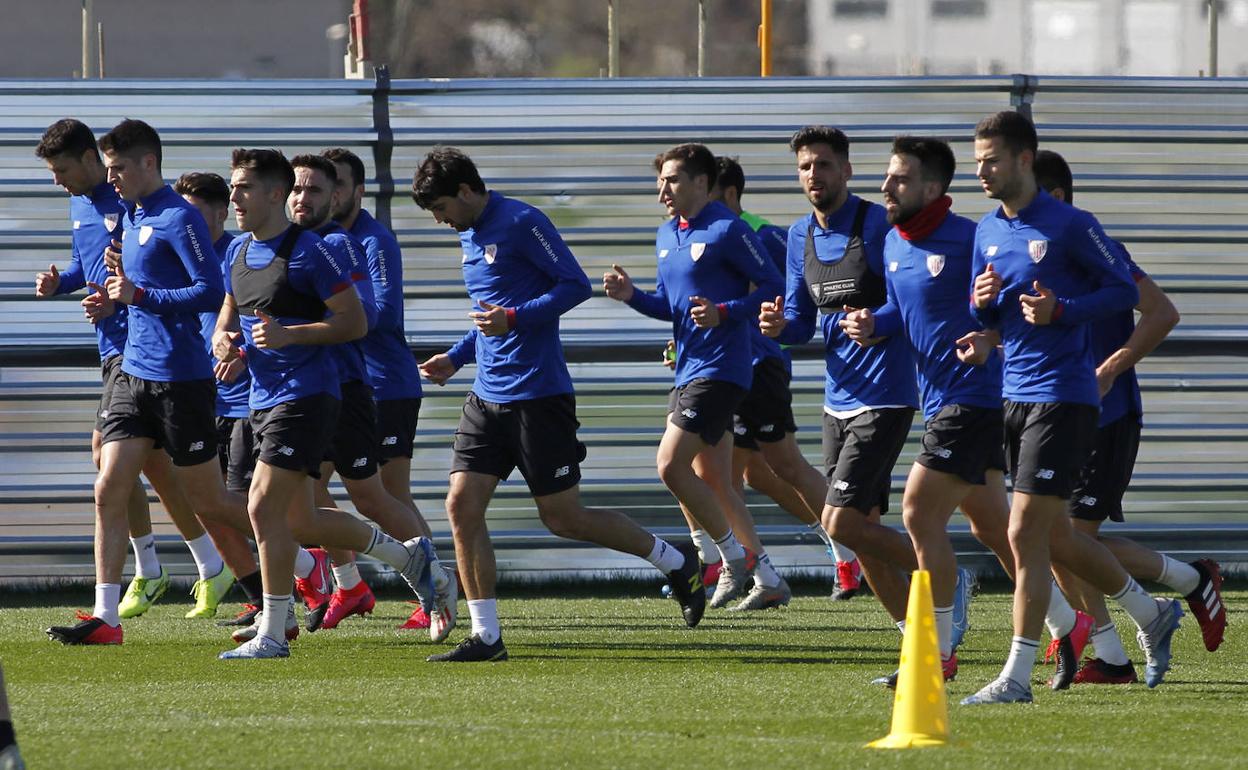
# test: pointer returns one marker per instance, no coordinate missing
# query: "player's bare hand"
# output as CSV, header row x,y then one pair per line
x,y
268,334
229,371
975,347
1104,380
96,305
47,283
112,255
119,287
705,314
225,346
491,320
617,284
859,325
438,369
987,287
1038,309
771,320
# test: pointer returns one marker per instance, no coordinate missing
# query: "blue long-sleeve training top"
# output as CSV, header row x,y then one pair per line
x,y
1108,335
775,243
391,365
231,396
97,220
349,356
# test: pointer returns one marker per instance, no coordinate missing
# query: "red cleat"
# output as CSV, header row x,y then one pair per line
x,y
418,620
710,576
1068,650
88,630
1207,605
1097,671
949,667
343,604
316,588
848,580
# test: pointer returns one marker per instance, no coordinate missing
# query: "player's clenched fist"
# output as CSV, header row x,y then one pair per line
x,y
617,284
438,369
987,287
771,320
47,283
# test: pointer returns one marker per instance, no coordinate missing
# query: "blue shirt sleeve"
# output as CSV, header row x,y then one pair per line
x,y
540,243
187,236
652,303
74,278
752,260
385,267
1107,262
799,308
464,351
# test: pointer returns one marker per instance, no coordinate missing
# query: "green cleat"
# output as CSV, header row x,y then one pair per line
x,y
141,594
209,593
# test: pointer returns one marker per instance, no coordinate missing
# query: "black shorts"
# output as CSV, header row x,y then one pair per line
x,y
859,454
236,449
766,414
295,434
180,417
967,441
109,369
1046,445
1107,473
396,427
353,449
536,435
705,407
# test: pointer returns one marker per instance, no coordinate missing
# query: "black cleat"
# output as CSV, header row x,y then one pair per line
x,y
687,586
1068,650
314,617
244,618
472,650
88,630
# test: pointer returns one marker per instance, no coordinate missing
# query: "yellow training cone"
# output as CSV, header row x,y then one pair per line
x,y
920,711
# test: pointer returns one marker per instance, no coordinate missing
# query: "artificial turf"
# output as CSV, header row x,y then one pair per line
x,y
594,681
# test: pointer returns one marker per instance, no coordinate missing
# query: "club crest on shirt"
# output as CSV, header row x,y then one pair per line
x,y
491,252
992,251
696,250
78,224
110,221
892,266
1037,249
145,232
662,253
935,263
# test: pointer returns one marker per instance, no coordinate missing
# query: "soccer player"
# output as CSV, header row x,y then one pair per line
x,y
707,260
10,756
521,411
391,367
835,261
163,391
210,194
765,453
1043,271
1118,344
280,284
352,451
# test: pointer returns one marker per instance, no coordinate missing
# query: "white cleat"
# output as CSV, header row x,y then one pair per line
x,y
247,633
261,647
442,618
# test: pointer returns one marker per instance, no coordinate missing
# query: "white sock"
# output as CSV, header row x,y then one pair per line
x,y
347,576
664,557
207,560
1061,616
484,613
901,626
729,547
1108,645
705,544
305,562
1142,607
146,562
273,622
765,574
107,597
843,553
1022,660
388,549
1178,576
944,630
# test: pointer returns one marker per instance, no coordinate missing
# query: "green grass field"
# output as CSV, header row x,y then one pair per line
x,y
593,682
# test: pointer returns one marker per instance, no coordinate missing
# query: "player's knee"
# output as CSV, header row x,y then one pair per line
x,y
672,472
562,522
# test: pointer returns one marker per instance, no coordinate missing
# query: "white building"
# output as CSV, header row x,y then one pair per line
x,y
1054,37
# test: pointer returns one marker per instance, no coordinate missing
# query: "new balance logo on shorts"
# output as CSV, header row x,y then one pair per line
x,y
942,453
196,446
359,462
562,471
390,441
1087,500
285,450
739,430
689,414
840,485
1045,473
767,428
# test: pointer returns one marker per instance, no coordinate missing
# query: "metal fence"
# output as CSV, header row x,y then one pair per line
x,y
1160,161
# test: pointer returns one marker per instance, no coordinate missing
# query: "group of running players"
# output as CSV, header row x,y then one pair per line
x,y
240,370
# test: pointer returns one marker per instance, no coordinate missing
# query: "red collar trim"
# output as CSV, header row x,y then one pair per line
x,y
924,223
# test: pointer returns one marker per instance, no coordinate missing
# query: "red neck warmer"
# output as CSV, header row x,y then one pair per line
x,y
924,223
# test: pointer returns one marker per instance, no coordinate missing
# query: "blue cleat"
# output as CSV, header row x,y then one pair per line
x,y
962,592
1155,640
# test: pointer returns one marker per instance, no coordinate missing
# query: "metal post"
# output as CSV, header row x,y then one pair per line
x,y
764,40
88,31
701,38
613,42
99,49
1213,37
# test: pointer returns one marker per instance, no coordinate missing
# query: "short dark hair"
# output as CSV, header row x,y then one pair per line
x,y
204,185
441,173
270,165
695,160
133,138
1014,128
833,137
343,155
729,174
936,162
1053,172
318,163
67,136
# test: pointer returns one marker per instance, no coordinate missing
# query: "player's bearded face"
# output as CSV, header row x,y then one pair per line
x,y
311,199
823,175
1000,170
903,189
